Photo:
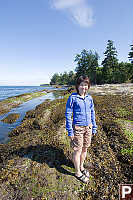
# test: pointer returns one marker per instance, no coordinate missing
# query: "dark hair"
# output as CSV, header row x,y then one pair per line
x,y
84,79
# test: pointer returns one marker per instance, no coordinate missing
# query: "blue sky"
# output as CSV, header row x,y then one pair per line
x,y
41,37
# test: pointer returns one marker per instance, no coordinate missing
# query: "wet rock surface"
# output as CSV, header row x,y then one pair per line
x,y
11,118
12,102
36,163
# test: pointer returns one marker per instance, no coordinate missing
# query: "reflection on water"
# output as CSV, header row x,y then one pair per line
x,y
22,109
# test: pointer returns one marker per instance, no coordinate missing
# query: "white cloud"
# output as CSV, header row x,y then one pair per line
x,y
78,11
61,4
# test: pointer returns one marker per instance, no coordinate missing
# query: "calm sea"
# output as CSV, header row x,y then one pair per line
x,y
9,91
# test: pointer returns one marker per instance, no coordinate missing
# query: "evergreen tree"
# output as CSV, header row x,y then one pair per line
x,y
129,71
99,76
87,63
82,63
110,63
63,78
121,74
55,79
131,54
71,78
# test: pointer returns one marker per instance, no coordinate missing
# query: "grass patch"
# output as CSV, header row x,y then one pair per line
x,y
127,126
129,134
128,151
122,112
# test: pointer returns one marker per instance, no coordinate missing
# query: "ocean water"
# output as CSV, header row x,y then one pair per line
x,y
9,91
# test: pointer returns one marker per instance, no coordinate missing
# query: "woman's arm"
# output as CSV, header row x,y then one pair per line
x,y
68,115
93,120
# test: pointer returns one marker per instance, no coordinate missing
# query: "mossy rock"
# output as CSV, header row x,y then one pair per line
x,y
11,118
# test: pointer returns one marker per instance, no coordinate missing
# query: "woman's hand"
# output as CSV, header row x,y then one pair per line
x,y
71,137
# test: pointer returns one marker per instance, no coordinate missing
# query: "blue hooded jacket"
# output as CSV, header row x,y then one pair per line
x,y
82,110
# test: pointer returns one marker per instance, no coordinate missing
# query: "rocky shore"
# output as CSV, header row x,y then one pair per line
x,y
12,102
36,163
114,89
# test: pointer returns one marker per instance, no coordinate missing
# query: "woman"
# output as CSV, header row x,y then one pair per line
x,y
83,125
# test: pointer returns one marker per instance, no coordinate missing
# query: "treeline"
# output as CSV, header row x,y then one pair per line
x,y
110,71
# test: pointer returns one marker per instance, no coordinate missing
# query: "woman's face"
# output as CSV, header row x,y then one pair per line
x,y
83,88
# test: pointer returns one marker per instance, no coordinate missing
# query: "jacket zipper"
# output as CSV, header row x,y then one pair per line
x,y
85,111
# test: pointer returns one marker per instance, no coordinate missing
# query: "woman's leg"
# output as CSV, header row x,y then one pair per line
x,y
76,161
82,158
77,145
86,144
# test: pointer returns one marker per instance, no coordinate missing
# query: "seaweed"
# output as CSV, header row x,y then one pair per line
x,y
36,163
11,118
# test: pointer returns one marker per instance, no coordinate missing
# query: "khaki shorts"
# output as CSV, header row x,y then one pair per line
x,y
82,137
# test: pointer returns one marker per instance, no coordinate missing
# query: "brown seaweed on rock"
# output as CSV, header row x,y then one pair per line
x,y
36,163
11,118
